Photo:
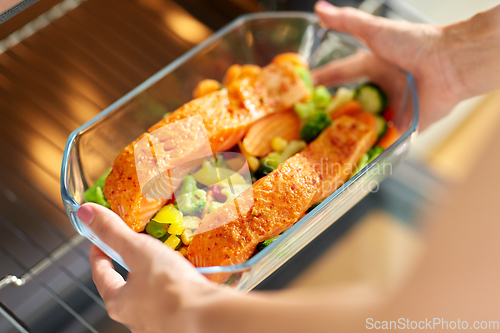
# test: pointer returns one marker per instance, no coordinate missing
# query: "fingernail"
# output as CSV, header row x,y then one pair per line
x,y
86,214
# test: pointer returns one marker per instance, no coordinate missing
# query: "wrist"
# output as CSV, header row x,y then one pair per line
x,y
471,47
208,310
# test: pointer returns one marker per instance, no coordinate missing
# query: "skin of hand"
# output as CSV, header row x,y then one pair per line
x,y
162,287
164,292
449,63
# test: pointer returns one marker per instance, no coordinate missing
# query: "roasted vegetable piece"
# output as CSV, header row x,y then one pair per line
x,y
279,144
216,191
95,193
372,98
315,125
296,59
262,245
173,242
321,97
388,114
390,136
155,229
268,164
381,126
349,108
306,77
342,96
206,87
183,251
192,199
232,192
214,205
209,175
169,215
188,185
175,229
374,153
292,148
164,238
253,163
190,222
363,161
187,236
304,110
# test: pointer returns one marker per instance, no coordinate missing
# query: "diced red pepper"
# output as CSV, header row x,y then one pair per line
x,y
388,114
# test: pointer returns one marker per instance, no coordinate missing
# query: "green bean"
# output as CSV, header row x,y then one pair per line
x,y
156,229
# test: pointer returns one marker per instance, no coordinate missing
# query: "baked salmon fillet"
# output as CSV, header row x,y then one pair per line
x,y
250,93
230,234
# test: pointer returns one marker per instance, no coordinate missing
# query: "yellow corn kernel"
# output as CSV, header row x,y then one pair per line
x,y
253,163
187,236
278,144
173,241
183,251
175,229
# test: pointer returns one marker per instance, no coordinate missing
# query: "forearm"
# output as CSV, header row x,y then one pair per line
x,y
289,311
473,49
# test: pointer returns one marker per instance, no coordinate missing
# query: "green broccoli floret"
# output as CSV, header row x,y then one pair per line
x,y
318,121
191,200
95,193
321,97
188,185
304,110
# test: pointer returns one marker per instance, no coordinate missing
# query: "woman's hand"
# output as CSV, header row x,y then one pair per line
x,y
162,291
449,63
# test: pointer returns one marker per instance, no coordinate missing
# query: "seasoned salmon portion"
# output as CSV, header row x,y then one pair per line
x,y
251,92
276,202
123,191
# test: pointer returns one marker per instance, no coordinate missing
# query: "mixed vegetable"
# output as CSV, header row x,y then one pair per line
x,y
95,194
200,194
268,143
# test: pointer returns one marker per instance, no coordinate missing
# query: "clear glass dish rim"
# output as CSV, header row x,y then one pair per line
x,y
68,199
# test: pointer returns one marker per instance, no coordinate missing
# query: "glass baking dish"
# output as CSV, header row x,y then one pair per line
x,y
250,39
